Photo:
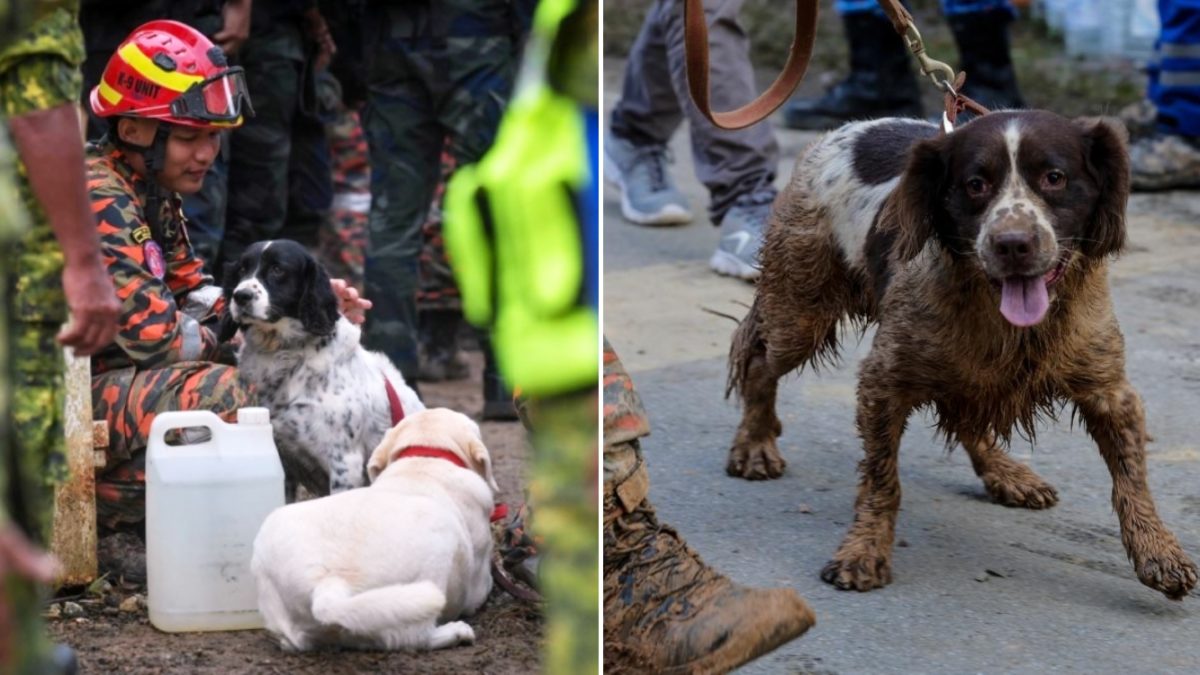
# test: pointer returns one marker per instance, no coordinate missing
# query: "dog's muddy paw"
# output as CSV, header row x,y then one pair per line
x,y
1170,572
1020,487
858,574
755,461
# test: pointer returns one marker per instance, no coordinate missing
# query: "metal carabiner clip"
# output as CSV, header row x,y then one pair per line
x,y
941,74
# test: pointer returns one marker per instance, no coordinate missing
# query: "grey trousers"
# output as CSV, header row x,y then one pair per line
x,y
654,101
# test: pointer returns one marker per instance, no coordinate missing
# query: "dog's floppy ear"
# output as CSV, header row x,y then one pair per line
x,y
227,327
1107,160
318,305
482,460
916,202
381,456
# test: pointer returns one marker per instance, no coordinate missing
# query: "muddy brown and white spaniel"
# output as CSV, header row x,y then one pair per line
x,y
982,256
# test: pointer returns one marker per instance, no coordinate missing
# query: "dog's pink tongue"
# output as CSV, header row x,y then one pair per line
x,y
1024,300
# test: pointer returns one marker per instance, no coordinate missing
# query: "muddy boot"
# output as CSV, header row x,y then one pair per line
x,y
665,611
982,39
440,357
880,84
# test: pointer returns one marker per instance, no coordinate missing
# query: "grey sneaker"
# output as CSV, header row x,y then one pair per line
x,y
1164,162
648,196
742,236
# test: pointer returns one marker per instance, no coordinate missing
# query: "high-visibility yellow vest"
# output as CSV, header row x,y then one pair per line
x,y
514,240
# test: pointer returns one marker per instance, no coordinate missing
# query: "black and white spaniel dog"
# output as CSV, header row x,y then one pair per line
x,y
331,401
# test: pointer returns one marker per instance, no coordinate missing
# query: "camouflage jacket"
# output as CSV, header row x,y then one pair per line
x,y
166,297
40,52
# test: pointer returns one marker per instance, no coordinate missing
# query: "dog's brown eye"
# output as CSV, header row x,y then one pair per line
x,y
977,186
276,271
1054,180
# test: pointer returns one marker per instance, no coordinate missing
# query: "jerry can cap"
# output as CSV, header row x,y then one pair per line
x,y
253,416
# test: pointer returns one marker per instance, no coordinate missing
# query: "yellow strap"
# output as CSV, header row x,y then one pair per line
x,y
109,94
151,71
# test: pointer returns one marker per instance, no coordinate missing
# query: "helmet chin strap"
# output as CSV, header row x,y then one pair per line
x,y
154,156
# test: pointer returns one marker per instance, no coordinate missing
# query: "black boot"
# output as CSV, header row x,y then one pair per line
x,y
440,356
880,84
497,395
983,46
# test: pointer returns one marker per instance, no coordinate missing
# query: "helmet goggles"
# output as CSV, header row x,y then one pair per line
x,y
220,98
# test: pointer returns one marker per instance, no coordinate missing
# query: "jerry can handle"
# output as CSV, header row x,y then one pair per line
x,y
167,421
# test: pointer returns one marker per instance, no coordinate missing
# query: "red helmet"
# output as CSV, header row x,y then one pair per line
x,y
169,71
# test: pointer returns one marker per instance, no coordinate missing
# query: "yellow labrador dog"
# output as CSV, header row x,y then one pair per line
x,y
379,567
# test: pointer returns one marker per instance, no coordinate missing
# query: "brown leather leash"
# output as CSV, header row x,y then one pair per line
x,y
799,54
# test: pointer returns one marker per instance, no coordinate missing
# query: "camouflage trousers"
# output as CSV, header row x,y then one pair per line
x,y
624,423
36,306
279,177
22,494
342,242
129,401
422,99
564,518
436,289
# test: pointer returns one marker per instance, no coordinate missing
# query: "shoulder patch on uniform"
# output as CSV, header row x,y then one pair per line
x,y
141,234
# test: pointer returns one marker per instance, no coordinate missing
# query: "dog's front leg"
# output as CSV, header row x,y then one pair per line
x,y
864,560
1115,419
1006,480
346,471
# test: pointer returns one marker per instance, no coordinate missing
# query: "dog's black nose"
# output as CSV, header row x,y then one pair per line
x,y
1014,248
242,296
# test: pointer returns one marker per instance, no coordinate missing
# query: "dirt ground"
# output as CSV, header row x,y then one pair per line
x,y
112,639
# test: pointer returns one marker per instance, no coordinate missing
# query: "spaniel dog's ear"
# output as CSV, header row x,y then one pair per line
x,y
916,203
228,327
1106,157
318,308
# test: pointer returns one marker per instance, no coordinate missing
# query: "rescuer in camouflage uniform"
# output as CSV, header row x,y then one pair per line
x,y
279,166
46,269
435,71
166,355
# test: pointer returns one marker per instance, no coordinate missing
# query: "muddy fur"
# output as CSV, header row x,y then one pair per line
x,y
915,255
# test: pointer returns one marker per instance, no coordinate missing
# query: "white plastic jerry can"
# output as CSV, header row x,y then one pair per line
x,y
204,505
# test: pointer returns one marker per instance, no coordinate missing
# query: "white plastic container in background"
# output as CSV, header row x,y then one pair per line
x,y
204,505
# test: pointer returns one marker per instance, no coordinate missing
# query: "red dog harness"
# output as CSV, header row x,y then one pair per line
x,y
498,513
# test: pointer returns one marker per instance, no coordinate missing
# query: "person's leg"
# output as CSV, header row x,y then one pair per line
x,y
729,163
737,167
1170,157
23,496
642,123
404,140
438,303
344,242
480,78
980,28
562,479
310,182
881,82
129,401
664,609
260,149
39,311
